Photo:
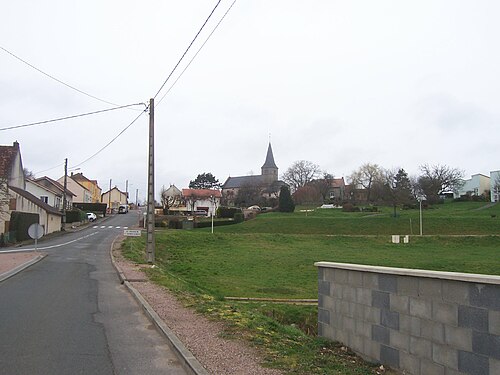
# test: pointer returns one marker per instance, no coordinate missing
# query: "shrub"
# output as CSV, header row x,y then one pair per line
x,y
349,207
285,203
74,216
239,217
227,212
20,222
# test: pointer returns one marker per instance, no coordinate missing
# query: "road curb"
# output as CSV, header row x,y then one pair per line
x,y
21,267
190,361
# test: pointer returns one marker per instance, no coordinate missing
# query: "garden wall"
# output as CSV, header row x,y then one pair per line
x,y
422,322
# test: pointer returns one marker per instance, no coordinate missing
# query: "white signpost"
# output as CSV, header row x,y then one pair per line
x,y
132,232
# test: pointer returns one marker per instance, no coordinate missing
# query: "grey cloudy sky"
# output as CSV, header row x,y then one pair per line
x,y
338,83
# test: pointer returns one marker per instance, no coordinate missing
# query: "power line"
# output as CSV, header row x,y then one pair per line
x,y
196,54
58,80
48,169
187,49
69,117
110,142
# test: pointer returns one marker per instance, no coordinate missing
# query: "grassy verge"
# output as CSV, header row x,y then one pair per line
x,y
203,268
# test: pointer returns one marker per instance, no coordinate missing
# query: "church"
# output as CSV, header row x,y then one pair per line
x,y
263,189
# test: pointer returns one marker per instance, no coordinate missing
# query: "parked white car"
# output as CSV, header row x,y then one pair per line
x,y
91,216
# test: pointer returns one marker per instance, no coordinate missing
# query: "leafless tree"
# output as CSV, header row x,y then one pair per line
x,y
4,196
167,200
366,177
438,179
300,174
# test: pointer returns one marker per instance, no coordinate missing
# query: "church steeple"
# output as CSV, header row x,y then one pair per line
x,y
269,169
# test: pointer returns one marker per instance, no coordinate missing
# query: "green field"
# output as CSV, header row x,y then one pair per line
x,y
273,256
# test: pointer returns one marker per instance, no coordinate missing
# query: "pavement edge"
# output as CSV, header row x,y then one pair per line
x,y
190,361
21,267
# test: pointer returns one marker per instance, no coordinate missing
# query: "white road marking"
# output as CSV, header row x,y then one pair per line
x,y
49,247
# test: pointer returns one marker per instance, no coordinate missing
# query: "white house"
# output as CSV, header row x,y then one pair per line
x,y
477,185
49,218
495,186
49,194
202,200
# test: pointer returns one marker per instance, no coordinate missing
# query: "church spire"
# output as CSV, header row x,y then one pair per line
x,y
269,163
269,169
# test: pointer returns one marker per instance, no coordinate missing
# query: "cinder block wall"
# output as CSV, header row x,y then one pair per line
x,y
423,322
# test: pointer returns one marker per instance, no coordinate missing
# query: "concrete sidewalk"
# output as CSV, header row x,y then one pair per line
x,y
14,262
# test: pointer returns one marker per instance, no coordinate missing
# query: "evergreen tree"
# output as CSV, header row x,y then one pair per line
x,y
205,181
285,202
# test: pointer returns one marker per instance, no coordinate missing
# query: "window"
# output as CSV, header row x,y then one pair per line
x,y
44,199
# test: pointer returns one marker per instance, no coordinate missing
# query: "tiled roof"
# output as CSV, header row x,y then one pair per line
x,y
50,183
201,193
35,200
240,181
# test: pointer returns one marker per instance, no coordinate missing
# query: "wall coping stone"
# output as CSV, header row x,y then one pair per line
x,y
457,276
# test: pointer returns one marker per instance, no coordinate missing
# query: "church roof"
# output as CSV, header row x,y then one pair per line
x,y
269,163
246,181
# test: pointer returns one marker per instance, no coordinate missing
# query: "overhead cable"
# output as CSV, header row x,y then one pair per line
x,y
187,49
58,80
110,142
196,54
70,117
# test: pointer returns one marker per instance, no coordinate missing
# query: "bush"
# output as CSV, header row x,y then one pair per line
x,y
239,217
349,207
217,223
91,207
285,203
20,222
74,216
227,212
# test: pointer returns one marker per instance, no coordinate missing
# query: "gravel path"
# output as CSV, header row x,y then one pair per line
x,y
200,335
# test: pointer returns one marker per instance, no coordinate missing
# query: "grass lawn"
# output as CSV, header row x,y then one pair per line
x,y
273,256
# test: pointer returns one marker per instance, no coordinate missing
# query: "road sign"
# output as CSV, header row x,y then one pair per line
x,y
132,232
35,231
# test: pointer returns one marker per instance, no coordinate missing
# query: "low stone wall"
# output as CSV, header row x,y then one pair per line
x,y
422,322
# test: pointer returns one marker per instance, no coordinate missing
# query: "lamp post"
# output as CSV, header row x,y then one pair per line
x,y
420,199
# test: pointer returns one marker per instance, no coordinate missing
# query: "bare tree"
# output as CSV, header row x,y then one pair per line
x,y
168,200
324,185
300,174
438,179
496,188
4,196
366,177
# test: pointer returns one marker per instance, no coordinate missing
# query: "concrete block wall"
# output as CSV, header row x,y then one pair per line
x,y
422,322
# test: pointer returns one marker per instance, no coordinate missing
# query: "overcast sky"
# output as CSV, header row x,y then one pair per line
x,y
338,83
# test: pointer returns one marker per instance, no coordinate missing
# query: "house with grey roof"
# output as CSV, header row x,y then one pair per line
x,y
266,185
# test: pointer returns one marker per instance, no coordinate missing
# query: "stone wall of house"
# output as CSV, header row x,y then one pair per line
x,y
422,322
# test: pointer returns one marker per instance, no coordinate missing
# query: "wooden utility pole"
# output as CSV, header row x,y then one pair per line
x,y
63,225
151,187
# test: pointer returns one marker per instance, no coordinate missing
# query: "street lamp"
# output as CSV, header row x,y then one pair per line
x,y
420,199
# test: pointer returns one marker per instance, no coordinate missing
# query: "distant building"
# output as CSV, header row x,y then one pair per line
x,y
114,198
90,185
477,185
202,200
266,183
82,194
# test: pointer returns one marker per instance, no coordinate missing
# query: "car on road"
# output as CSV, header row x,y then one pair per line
x,y
91,216
123,209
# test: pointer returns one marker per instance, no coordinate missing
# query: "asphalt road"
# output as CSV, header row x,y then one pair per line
x,y
69,314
